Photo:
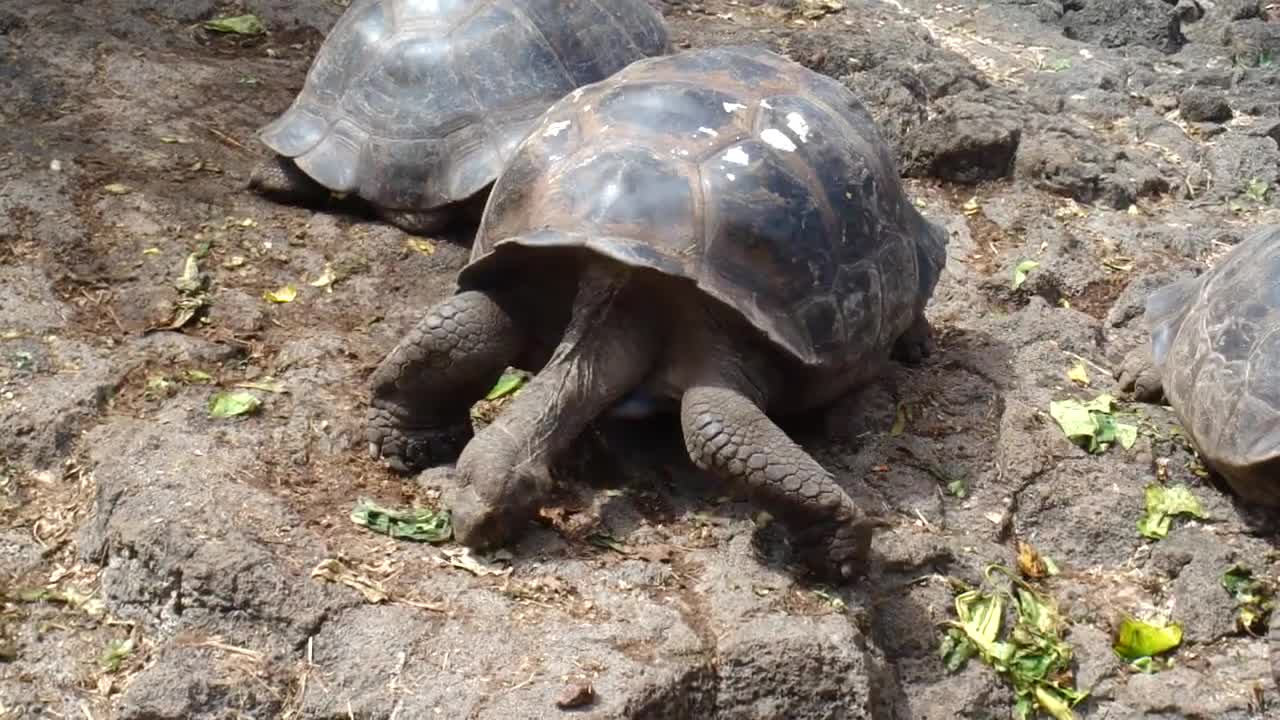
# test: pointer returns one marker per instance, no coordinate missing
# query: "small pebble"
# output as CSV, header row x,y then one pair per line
x,y
576,695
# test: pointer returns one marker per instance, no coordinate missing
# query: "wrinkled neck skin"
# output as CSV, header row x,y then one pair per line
x,y
607,349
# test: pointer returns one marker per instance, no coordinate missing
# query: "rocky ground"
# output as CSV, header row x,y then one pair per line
x,y
159,563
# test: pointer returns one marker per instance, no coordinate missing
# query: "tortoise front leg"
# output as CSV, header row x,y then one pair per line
x,y
728,434
1139,375
424,389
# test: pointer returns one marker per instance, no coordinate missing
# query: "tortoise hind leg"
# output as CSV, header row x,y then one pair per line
x,y
425,223
916,344
464,213
424,389
728,434
279,179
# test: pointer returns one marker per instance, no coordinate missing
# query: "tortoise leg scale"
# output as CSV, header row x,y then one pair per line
x,y
281,180
425,223
424,389
727,434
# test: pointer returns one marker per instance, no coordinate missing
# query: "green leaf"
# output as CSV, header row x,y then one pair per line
x,y
955,650
237,25
285,294
1138,639
230,404
198,376
1254,598
1053,703
1163,504
510,381
32,595
190,281
1126,434
1091,425
419,524
1021,271
1033,657
1257,190
115,653
899,421
1078,374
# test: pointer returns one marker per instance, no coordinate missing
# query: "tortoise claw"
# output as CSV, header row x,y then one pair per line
x,y
836,550
407,448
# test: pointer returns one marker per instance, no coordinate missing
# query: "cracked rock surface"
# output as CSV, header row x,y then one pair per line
x,y
208,568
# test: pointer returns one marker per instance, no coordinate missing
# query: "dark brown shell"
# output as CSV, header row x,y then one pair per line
x,y
1216,340
763,182
415,104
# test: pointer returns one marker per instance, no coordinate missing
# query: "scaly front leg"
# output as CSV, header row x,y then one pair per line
x,y
728,434
424,389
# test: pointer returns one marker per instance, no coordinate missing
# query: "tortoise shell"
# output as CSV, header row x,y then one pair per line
x,y
416,104
1216,342
764,183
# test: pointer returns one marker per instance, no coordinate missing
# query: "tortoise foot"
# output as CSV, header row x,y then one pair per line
x,y
1139,375
916,344
408,447
426,223
834,551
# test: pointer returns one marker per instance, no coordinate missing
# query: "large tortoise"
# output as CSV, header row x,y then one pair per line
x,y
720,228
1215,355
415,106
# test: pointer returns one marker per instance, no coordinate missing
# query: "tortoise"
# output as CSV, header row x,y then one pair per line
x,y
721,232
1214,354
415,106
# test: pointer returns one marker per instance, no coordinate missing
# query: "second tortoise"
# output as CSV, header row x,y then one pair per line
x,y
1215,356
415,106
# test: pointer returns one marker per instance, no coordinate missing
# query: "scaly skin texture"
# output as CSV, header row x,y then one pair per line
x,y
504,473
726,433
423,390
1139,375
431,222
279,179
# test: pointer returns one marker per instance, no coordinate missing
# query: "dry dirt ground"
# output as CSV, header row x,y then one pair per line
x,y
158,563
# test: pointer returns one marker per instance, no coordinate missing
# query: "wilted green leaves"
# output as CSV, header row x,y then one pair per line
x,y
236,25
1255,598
1142,642
1032,656
1164,503
418,524
231,404
1020,273
1092,425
